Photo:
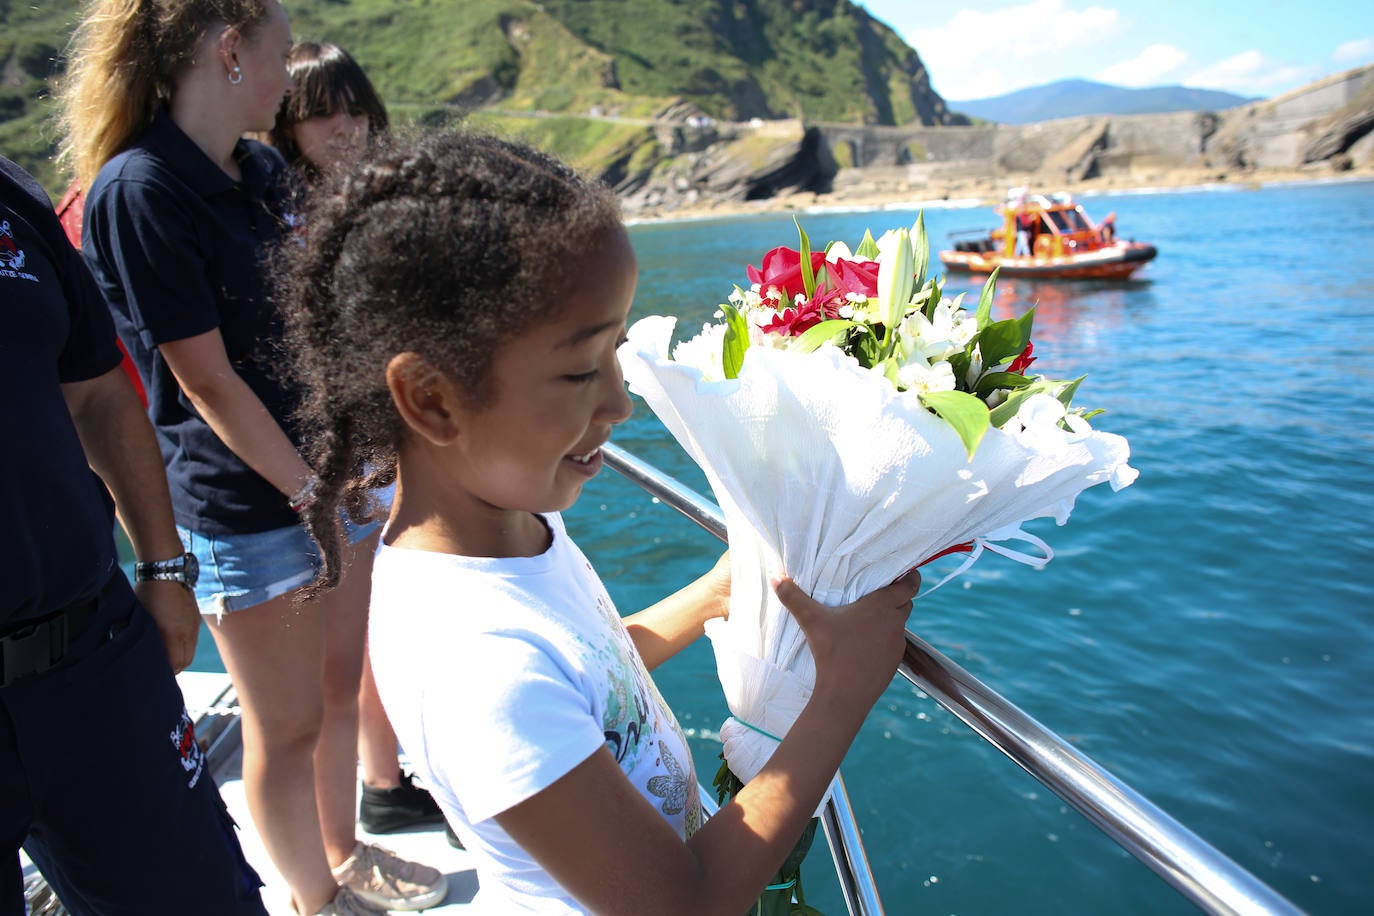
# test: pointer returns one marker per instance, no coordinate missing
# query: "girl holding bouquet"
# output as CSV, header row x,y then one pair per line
x,y
454,317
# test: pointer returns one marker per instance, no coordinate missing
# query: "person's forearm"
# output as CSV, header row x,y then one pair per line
x,y
235,414
121,448
741,846
666,628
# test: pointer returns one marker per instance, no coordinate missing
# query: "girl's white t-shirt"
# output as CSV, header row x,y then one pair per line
x,y
502,675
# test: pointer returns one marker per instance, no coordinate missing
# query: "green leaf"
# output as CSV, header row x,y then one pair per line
x,y
1027,322
931,294
791,866
960,363
864,346
816,335
774,903
736,340
984,314
1070,388
1062,389
1002,341
868,248
1008,408
923,297
966,413
890,368
808,274
992,380
726,783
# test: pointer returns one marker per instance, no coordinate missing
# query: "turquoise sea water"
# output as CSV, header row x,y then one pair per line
x,y
1206,634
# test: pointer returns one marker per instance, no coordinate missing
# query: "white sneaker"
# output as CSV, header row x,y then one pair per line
x,y
384,880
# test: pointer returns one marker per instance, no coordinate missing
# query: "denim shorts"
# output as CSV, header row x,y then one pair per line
x,y
239,571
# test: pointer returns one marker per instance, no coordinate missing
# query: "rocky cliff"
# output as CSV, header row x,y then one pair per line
x,y
1321,129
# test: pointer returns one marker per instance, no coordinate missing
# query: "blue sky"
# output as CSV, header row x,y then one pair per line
x,y
979,48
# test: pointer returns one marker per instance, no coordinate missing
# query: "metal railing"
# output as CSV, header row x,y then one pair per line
x,y
1201,873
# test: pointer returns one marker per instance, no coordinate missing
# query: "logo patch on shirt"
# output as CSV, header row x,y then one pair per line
x,y
192,757
12,256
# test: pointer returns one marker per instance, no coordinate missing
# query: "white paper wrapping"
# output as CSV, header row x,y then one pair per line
x,y
826,472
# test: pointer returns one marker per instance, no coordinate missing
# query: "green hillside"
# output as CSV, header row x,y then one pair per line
x,y
624,61
30,46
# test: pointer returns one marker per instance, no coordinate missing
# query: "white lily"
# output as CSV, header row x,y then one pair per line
x,y
922,377
896,275
939,338
975,369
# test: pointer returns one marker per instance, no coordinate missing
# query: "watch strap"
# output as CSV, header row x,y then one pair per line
x,y
183,569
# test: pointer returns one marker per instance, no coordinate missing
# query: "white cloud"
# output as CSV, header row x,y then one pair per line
x,y
1151,67
1252,73
977,54
1359,51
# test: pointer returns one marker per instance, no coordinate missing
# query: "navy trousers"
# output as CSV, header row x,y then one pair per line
x,y
104,786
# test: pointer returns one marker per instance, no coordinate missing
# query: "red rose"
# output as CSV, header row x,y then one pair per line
x,y
796,320
782,268
854,277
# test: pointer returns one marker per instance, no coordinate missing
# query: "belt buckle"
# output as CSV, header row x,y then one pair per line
x,y
32,649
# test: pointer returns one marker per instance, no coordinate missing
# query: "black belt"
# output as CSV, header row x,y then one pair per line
x,y
34,646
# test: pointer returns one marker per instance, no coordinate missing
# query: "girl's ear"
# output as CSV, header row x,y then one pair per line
x,y
426,399
227,48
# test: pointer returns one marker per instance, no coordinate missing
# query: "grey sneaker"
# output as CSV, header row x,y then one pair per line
x,y
384,880
347,903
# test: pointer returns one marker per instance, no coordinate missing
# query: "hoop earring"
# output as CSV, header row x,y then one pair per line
x,y
236,75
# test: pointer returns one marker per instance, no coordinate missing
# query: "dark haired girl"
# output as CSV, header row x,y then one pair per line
x,y
324,125
331,112
454,316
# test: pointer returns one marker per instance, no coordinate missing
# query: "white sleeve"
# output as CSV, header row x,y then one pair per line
x,y
509,722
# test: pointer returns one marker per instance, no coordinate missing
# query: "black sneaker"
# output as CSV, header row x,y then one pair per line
x,y
389,810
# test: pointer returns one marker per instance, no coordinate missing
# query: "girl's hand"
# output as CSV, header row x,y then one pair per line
x,y
665,629
857,646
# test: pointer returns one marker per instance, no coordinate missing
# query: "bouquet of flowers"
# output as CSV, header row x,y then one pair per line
x,y
853,423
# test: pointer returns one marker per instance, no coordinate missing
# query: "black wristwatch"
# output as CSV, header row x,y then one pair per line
x,y
184,569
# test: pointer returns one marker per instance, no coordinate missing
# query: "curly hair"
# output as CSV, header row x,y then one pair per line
x,y
125,57
444,244
324,79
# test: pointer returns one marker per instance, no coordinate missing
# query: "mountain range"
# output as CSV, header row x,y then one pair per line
x,y
1074,97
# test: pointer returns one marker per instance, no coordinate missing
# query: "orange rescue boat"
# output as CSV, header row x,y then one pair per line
x,y
1049,237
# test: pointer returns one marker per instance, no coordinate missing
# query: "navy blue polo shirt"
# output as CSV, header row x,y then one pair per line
x,y
179,248
56,517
